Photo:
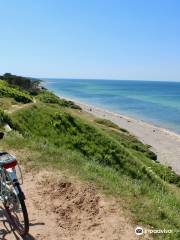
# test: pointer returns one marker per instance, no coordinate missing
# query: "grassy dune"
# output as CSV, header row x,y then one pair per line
x,y
116,162
57,135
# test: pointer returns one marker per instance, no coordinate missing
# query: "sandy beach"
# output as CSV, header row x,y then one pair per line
x,y
165,143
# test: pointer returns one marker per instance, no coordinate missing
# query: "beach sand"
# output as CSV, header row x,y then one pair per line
x,y
165,143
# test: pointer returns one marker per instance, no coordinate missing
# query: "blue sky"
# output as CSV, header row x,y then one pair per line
x,y
109,39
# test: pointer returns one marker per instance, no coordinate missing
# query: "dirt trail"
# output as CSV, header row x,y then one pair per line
x,y
64,209
17,107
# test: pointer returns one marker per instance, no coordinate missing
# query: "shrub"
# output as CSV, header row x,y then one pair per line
x,y
27,84
19,96
49,97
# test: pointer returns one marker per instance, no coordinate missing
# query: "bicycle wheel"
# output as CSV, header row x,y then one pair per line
x,y
17,212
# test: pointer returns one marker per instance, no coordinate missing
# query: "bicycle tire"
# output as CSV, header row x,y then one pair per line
x,y
23,231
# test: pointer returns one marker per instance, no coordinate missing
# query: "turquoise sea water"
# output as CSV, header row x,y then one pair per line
x,y
153,102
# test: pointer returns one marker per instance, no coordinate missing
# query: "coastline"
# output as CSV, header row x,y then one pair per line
x,y
165,143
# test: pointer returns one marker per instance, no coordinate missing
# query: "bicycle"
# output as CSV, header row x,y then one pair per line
x,y
11,195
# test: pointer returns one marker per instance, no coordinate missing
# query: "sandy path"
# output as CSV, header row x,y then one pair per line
x,y
69,210
17,107
165,144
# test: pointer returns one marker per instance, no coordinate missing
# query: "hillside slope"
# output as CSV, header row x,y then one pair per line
x,y
55,134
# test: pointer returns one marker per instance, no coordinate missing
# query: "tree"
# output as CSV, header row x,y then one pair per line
x,y
28,84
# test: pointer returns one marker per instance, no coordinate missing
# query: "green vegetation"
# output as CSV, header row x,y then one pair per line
x,y
28,84
56,136
132,142
19,96
6,103
4,118
127,140
49,97
109,123
122,152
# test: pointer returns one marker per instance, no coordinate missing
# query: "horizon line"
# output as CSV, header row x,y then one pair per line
x,y
107,79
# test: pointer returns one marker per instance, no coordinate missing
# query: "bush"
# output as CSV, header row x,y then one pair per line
x,y
24,83
19,96
49,97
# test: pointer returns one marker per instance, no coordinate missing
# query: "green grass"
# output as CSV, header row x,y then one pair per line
x,y
110,124
116,161
130,141
49,97
4,118
6,103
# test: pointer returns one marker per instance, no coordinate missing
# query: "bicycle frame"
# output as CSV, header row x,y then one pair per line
x,y
7,176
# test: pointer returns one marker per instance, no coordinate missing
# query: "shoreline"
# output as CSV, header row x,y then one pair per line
x,y
165,143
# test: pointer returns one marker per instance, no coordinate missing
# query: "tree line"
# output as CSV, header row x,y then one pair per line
x,y
28,84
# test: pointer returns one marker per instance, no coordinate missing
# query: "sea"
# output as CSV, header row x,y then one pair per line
x,y
155,102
